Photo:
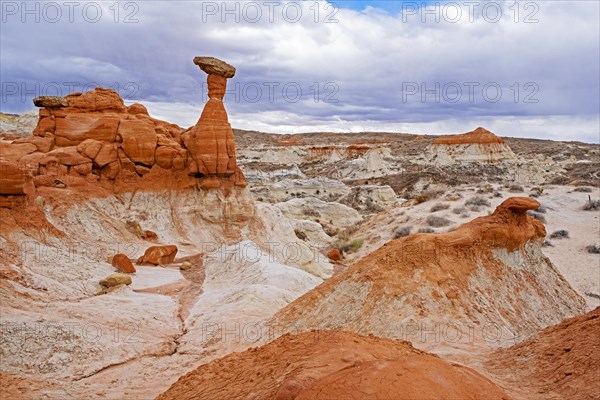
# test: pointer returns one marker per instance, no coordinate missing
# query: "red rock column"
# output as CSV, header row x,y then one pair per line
x,y
210,142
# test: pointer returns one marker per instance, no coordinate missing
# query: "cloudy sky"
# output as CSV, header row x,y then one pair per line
x,y
527,68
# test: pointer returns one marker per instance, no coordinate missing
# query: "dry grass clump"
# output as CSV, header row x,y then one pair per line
x,y
459,210
402,232
478,201
583,189
426,230
516,188
537,215
439,207
592,205
593,249
437,222
560,234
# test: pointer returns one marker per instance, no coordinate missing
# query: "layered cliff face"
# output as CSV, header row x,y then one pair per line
x,y
479,145
332,365
487,282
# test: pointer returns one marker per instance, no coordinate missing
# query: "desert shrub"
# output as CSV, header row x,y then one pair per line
x,y
547,243
516,188
534,195
422,198
542,209
459,210
560,234
583,189
310,212
497,194
426,230
592,205
485,189
475,208
453,196
478,201
356,244
436,221
439,207
402,232
594,249
300,234
537,190
373,207
537,215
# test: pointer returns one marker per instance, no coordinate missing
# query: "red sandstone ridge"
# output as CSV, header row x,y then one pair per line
x,y
332,365
478,136
94,140
560,362
488,272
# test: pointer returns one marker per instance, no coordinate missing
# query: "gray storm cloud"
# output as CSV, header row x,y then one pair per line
x,y
525,69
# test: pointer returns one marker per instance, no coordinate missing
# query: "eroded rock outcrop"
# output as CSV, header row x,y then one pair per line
x,y
94,139
479,145
487,273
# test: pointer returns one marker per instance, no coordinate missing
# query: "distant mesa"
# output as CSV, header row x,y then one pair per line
x,y
478,136
479,145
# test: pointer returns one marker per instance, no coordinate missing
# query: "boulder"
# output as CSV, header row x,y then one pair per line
x,y
50,102
99,99
15,179
123,263
77,127
89,148
212,65
43,144
116,279
334,255
14,151
164,156
69,156
138,140
106,155
136,109
46,126
158,255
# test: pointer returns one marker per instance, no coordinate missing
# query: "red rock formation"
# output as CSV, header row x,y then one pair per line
x,y
478,136
16,183
210,142
158,255
463,277
560,362
93,139
123,263
334,255
332,365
